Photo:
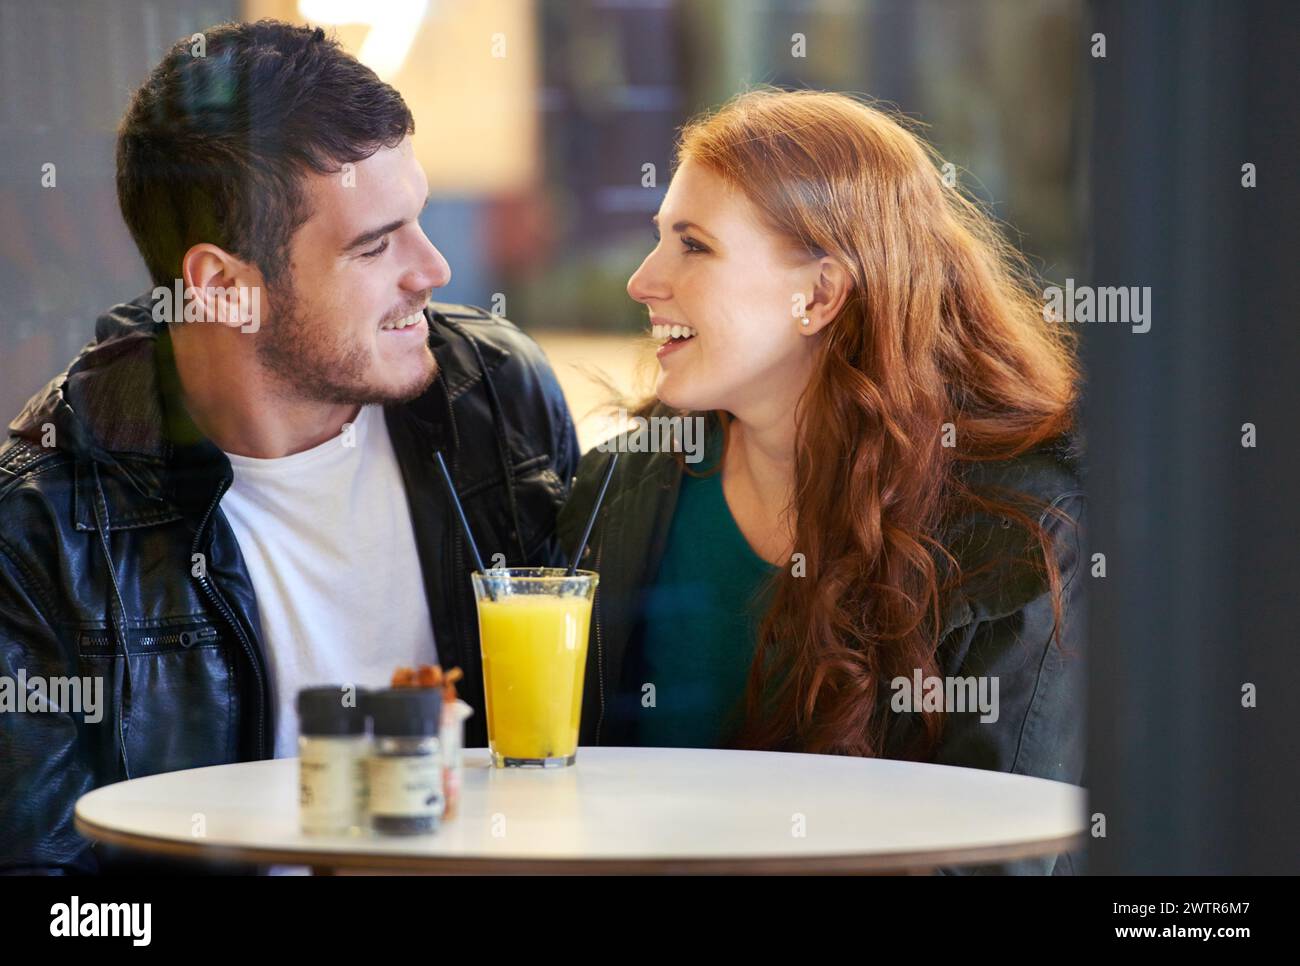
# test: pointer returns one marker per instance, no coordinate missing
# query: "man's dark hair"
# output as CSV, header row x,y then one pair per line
x,y
213,148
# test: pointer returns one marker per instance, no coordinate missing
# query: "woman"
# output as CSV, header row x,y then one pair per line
x,y
888,493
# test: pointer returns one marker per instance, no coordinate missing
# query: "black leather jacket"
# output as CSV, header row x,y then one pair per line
x,y
108,497
997,622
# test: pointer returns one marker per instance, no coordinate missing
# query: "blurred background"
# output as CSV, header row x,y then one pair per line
x,y
536,121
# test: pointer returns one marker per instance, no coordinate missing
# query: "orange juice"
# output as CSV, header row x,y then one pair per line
x,y
534,657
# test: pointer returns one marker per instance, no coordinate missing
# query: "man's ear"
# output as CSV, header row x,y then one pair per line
x,y
220,288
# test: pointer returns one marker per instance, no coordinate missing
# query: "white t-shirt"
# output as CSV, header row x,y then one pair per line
x,y
326,535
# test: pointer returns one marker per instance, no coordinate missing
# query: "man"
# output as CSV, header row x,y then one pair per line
x,y
232,492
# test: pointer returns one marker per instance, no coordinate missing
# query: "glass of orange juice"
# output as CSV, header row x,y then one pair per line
x,y
532,626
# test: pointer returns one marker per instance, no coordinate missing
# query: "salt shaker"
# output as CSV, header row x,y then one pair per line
x,y
333,746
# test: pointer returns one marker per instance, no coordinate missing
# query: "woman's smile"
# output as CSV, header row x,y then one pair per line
x,y
672,335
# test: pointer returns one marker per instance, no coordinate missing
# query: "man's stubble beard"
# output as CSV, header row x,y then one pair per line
x,y
308,362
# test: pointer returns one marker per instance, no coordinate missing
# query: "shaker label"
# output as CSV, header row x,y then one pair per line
x,y
331,785
406,785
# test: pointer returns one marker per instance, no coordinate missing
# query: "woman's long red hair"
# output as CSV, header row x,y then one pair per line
x,y
942,327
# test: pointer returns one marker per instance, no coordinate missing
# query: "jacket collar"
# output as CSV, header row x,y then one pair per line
x,y
119,403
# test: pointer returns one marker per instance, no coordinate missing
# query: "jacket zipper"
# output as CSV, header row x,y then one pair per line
x,y
203,634
211,591
183,638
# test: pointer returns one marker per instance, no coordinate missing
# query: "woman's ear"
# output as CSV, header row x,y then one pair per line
x,y
830,292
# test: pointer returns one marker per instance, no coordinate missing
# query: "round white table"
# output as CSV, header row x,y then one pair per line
x,y
621,810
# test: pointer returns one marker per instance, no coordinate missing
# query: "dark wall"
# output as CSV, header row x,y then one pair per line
x,y
67,70
1199,532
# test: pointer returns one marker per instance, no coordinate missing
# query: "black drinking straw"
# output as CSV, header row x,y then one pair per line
x,y
591,521
464,522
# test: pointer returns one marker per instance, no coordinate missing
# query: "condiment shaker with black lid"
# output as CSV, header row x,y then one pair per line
x,y
406,790
333,748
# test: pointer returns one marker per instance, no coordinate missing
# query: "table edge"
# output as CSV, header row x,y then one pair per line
x,y
890,862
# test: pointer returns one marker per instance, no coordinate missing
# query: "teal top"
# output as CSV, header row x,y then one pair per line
x,y
700,622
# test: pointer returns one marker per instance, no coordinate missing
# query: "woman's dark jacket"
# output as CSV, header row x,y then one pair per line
x,y
996,622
